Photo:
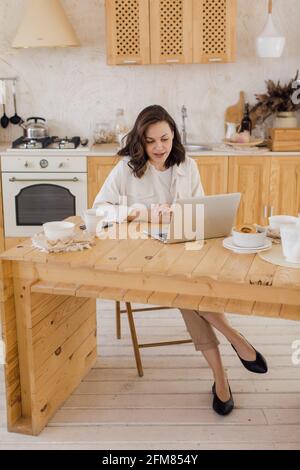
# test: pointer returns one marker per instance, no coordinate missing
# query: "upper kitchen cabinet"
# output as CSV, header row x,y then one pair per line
x,y
170,31
214,31
127,32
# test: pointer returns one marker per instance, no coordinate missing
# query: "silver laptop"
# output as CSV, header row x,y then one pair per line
x,y
199,218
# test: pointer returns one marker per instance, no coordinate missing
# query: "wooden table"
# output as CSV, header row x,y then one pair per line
x,y
48,306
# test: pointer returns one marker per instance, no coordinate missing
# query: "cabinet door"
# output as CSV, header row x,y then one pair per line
x,y
171,23
214,174
285,186
127,32
251,177
98,170
214,31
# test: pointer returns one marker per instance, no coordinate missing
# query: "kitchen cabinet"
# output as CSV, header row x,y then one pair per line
x,y
127,32
214,173
98,170
170,31
284,197
250,175
214,31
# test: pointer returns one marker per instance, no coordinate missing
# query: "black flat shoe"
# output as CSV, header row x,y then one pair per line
x,y
259,366
223,408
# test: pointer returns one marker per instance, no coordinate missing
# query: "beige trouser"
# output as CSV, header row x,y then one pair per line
x,y
201,331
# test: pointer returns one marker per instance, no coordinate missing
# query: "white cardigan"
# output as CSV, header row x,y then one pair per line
x,y
122,188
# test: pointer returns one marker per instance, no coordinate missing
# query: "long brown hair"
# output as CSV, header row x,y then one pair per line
x,y
135,141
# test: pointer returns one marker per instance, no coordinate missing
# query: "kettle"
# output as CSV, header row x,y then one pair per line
x,y
35,128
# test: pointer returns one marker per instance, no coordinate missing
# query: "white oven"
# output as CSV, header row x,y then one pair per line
x,y
41,188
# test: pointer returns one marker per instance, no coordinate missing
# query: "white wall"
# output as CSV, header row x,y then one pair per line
x,y
74,88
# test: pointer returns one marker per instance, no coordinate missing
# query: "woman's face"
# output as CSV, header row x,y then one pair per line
x,y
159,141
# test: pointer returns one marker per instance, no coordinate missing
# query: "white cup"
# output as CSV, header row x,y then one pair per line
x,y
91,220
290,239
275,221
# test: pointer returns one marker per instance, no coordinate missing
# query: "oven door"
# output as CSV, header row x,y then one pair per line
x,y
31,199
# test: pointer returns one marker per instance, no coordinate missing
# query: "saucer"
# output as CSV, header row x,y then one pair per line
x,y
228,243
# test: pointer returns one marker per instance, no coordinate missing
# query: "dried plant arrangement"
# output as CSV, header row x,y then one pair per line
x,y
278,99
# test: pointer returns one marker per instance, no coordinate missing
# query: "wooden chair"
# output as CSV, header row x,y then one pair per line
x,y
136,345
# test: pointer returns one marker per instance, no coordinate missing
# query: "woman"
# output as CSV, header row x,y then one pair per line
x,y
154,173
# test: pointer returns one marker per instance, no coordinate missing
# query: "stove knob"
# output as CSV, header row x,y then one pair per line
x,y
44,163
61,165
26,164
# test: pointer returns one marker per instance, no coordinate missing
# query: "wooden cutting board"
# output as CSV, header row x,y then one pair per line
x,y
235,113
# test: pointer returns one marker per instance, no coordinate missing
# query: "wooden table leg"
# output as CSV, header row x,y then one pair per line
x,y
51,345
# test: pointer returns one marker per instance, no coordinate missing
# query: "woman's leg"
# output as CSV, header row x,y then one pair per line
x,y
205,340
220,322
213,358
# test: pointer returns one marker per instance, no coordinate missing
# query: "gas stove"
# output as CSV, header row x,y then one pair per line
x,y
53,142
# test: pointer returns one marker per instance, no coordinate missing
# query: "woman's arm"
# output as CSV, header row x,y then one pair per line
x,y
197,188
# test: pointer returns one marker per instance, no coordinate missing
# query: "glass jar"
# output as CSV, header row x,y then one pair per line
x,y
103,133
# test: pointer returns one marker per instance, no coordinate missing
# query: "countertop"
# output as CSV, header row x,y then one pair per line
x,y
110,150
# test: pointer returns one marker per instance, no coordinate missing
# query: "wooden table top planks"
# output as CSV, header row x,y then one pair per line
x,y
187,275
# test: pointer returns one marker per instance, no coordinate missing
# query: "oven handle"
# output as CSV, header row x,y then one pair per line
x,y
17,180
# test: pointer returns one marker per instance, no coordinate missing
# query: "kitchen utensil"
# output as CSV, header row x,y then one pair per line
x,y
235,113
249,240
4,120
229,244
92,220
15,119
252,143
290,239
230,130
35,128
58,230
276,220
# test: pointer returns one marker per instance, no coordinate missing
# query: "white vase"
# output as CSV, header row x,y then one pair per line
x,y
286,120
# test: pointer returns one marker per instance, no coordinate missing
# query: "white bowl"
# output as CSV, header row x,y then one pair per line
x,y
58,230
275,221
249,240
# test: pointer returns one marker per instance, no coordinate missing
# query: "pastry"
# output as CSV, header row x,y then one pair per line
x,y
246,228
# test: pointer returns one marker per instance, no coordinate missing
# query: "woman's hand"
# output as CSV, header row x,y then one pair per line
x,y
160,213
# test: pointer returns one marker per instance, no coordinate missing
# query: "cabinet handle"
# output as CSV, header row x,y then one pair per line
x,y
20,180
129,61
172,61
271,211
265,212
215,59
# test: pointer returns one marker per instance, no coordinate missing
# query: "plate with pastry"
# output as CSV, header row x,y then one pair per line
x,y
243,139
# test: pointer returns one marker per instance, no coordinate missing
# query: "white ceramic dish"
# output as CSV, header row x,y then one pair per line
x,y
275,221
230,245
58,230
249,240
290,240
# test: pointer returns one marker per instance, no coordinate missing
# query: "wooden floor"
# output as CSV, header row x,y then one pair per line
x,y
170,407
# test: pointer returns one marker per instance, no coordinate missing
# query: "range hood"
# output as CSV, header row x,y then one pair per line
x,y
45,24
